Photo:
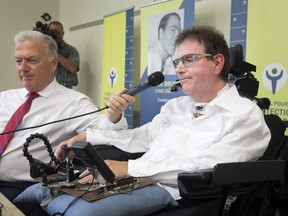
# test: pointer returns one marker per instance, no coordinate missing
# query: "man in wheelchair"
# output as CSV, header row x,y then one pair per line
x,y
212,124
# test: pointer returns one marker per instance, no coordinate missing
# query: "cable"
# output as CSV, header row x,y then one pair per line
x,y
53,122
75,200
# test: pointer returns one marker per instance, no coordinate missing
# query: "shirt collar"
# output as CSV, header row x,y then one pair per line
x,y
45,92
200,107
229,100
48,89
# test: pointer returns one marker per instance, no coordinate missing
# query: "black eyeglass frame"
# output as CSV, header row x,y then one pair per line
x,y
189,59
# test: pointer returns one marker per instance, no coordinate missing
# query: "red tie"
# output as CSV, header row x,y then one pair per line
x,y
14,121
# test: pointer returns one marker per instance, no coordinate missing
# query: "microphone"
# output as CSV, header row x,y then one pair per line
x,y
153,79
175,86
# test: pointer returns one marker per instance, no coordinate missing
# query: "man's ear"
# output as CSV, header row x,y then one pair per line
x,y
219,61
54,63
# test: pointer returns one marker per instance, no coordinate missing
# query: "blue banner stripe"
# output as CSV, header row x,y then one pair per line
x,y
238,25
129,62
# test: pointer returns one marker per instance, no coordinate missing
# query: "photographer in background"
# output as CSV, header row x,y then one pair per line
x,y
66,73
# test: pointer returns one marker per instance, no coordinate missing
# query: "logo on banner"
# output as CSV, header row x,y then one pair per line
x,y
274,77
112,77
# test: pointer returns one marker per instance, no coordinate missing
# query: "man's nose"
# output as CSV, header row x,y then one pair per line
x,y
22,65
180,68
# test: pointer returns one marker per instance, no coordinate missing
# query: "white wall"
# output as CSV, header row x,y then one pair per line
x,y
18,15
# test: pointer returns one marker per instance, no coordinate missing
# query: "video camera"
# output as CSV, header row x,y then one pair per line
x,y
43,26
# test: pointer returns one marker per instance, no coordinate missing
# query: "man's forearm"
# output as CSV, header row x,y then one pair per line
x,y
68,64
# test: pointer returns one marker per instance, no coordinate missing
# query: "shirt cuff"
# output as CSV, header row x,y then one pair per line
x,y
121,124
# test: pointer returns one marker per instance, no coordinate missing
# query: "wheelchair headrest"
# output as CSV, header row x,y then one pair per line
x,y
236,56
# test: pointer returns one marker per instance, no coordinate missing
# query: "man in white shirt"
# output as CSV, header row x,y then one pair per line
x,y
36,60
213,124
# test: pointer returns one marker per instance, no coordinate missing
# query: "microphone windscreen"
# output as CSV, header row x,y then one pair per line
x,y
155,78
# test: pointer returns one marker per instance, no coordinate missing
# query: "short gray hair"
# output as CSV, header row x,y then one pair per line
x,y
51,45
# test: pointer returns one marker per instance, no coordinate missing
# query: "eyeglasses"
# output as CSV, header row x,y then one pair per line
x,y
188,60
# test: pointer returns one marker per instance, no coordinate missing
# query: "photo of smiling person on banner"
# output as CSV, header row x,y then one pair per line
x,y
163,30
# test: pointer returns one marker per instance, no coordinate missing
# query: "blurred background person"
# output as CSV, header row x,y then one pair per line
x,y
68,56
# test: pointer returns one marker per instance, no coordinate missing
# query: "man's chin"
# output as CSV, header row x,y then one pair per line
x,y
28,85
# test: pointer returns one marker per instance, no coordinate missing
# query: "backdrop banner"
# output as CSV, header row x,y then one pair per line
x,y
118,56
160,25
267,48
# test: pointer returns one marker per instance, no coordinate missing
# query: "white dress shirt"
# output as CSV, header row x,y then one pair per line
x,y
54,103
232,129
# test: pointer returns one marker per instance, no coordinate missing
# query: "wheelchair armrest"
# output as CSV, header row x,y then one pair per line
x,y
243,176
201,177
198,185
248,172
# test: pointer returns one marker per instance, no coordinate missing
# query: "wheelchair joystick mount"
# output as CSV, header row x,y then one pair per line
x,y
45,170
